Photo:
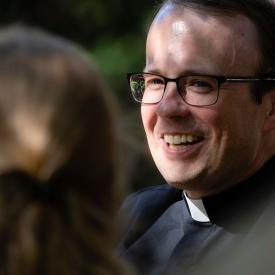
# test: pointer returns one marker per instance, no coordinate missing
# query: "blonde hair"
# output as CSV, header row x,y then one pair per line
x,y
58,183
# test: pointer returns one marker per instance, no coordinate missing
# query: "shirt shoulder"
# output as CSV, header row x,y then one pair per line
x,y
142,208
147,193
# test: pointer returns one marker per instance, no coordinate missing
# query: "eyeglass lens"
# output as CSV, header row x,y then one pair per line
x,y
194,90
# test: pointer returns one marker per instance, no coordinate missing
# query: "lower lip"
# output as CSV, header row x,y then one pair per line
x,y
181,152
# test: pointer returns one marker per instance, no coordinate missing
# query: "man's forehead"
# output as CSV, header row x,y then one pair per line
x,y
170,11
231,36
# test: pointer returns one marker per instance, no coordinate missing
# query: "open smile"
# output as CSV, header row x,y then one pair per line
x,y
179,140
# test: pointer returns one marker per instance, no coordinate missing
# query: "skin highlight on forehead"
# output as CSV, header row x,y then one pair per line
x,y
181,22
179,28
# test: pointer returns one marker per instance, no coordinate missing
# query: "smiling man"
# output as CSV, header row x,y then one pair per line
x,y
207,97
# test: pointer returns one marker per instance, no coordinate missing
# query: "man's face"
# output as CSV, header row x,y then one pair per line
x,y
224,139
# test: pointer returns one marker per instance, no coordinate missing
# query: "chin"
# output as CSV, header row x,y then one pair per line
x,y
184,179
177,185
179,182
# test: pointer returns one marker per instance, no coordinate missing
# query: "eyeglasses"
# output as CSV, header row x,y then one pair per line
x,y
195,90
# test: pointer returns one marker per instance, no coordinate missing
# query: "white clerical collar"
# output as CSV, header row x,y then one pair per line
x,y
196,209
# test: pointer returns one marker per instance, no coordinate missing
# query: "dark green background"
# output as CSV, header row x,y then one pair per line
x,y
114,33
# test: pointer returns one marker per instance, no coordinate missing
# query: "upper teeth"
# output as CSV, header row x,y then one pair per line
x,y
178,139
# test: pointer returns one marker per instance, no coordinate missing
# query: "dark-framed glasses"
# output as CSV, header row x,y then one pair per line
x,y
195,90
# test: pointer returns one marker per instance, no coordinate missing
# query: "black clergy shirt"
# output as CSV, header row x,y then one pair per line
x,y
235,235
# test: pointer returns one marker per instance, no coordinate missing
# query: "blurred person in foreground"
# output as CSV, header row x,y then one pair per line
x,y
59,185
207,96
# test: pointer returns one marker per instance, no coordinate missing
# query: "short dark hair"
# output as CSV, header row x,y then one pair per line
x,y
262,14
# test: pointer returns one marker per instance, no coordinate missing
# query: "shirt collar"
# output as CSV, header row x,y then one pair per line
x,y
239,207
197,209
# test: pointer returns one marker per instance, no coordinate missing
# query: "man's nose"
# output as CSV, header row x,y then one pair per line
x,y
172,104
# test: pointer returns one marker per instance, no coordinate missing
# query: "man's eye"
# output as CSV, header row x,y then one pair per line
x,y
154,83
200,86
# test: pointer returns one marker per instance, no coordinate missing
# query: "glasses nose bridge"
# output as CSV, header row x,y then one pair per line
x,y
175,80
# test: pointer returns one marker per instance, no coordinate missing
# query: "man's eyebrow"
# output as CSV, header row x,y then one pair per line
x,y
153,71
183,73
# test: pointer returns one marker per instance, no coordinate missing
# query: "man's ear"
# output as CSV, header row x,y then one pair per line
x,y
269,123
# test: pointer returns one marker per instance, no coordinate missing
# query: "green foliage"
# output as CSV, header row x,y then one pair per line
x,y
115,57
113,31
